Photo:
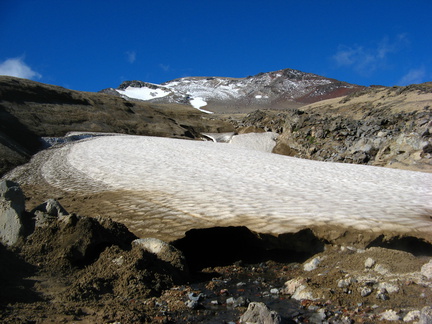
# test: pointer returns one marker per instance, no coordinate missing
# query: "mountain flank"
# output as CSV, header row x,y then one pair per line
x,y
281,89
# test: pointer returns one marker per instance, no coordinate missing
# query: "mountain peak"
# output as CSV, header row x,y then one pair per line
x,y
276,90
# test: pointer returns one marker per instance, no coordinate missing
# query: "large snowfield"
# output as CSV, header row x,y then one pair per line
x,y
222,182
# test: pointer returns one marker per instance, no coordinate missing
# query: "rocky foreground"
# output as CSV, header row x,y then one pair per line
x,y
62,267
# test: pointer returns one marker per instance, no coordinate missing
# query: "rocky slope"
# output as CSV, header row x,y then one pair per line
x,y
278,89
388,127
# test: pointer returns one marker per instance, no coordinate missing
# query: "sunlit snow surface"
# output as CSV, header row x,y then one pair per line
x,y
198,103
144,93
222,184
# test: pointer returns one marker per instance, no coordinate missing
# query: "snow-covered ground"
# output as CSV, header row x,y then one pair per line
x,y
144,93
198,103
264,142
222,183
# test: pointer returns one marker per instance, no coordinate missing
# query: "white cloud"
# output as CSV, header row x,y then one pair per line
x,y
18,68
366,60
164,67
131,56
362,60
413,76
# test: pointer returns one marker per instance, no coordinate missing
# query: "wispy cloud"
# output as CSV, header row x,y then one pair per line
x,y
413,76
366,60
18,68
164,67
131,56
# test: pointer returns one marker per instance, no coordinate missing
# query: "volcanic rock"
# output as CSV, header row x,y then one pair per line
x,y
259,313
12,212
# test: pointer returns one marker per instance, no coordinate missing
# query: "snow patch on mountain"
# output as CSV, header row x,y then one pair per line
x,y
144,93
198,103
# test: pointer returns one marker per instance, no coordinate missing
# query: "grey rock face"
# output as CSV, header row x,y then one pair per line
x,y
48,212
12,208
426,315
260,313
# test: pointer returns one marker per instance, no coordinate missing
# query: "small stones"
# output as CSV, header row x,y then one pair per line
x,y
389,287
412,316
426,315
259,313
343,283
163,251
365,291
224,292
274,291
426,270
369,263
230,300
389,315
292,285
51,207
381,269
118,261
319,316
237,302
313,264
382,294
194,297
192,304
303,292
194,300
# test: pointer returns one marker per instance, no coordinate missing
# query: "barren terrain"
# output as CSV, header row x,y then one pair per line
x,y
314,240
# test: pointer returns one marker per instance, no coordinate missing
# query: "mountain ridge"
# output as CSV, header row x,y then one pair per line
x,y
287,88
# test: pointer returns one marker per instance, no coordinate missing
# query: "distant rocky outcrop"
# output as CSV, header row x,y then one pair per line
x,y
389,127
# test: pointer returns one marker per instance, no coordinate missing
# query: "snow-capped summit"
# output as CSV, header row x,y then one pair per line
x,y
279,89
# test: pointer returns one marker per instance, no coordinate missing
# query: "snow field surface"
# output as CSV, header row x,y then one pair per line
x,y
198,103
264,142
144,93
222,182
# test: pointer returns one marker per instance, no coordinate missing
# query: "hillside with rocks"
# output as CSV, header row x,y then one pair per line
x,y
389,127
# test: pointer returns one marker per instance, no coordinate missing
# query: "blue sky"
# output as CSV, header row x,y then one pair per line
x,y
91,45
